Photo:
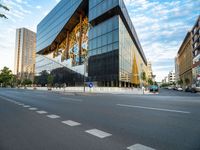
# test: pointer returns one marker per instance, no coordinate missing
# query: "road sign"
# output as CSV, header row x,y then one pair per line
x,y
90,85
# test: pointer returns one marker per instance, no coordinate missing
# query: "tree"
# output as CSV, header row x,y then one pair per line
x,y
187,81
18,82
180,82
6,77
150,81
26,82
143,76
5,8
42,79
14,81
50,80
36,78
155,83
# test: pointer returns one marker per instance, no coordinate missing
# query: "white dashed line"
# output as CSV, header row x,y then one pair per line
x,y
20,104
53,116
71,123
71,99
98,133
151,108
26,106
139,147
41,112
32,108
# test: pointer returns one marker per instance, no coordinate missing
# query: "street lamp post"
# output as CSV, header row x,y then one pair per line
x,y
85,66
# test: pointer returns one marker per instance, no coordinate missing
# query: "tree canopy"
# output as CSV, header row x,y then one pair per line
x,y
143,76
5,8
6,77
150,81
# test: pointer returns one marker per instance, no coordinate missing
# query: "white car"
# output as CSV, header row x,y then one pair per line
x,y
180,89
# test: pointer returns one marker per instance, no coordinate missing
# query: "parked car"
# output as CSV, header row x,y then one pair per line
x,y
169,88
180,89
190,89
153,88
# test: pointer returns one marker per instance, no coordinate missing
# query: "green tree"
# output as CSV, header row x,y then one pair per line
x,y
150,81
5,8
18,82
143,76
26,82
36,78
42,79
187,81
180,82
155,83
50,80
6,77
14,81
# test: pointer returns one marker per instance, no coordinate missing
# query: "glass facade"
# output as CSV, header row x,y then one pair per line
x,y
105,50
98,7
127,52
104,37
53,23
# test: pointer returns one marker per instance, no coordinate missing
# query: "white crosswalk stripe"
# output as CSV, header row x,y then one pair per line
x,y
71,123
139,147
41,112
98,133
26,106
32,108
53,116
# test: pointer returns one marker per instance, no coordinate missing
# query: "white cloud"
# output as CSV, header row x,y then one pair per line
x,y
19,1
161,27
38,7
57,1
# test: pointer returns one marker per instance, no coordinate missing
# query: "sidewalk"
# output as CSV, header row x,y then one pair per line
x,y
91,91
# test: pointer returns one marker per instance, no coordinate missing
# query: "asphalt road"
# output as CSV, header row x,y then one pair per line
x,y
42,120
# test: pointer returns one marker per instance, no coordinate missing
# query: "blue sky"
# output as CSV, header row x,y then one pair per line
x,y
161,26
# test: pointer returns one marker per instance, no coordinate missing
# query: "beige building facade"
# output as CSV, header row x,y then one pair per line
x,y
196,53
25,51
149,70
185,60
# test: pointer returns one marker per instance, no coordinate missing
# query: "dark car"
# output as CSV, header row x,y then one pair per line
x,y
153,88
190,89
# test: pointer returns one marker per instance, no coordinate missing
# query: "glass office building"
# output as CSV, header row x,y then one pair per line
x,y
93,40
25,47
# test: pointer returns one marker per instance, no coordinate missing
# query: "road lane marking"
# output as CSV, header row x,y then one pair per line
x,y
53,116
71,99
17,103
152,108
20,104
32,108
26,106
71,123
41,112
139,147
98,133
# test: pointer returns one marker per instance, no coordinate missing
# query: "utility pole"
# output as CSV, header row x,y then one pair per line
x,y
85,66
